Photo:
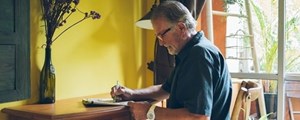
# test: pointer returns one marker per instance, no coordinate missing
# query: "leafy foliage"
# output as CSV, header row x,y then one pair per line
x,y
268,31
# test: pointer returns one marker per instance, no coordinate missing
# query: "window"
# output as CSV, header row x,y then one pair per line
x,y
254,51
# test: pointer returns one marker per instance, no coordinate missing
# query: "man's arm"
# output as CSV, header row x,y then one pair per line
x,y
177,114
140,109
155,93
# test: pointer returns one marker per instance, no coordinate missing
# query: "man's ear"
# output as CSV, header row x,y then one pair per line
x,y
181,26
182,29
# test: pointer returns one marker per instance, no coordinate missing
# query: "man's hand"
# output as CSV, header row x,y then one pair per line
x,y
121,93
139,110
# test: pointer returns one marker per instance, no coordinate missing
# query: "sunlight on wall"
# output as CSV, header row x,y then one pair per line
x,y
92,56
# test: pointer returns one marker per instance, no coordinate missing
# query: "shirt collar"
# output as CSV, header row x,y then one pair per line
x,y
194,40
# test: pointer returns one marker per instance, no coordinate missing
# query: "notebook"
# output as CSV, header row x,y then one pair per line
x,y
102,102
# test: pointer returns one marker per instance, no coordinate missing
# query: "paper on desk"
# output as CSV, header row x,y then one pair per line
x,y
102,102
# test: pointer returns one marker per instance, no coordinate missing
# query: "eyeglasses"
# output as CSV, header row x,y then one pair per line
x,y
161,35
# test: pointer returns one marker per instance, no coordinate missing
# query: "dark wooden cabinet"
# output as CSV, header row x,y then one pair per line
x,y
68,109
14,50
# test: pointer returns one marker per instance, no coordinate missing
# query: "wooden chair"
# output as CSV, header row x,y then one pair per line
x,y
249,91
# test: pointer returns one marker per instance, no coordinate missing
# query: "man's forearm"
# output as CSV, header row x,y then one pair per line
x,y
150,93
177,114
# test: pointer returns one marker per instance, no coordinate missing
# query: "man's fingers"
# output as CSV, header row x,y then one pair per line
x,y
130,103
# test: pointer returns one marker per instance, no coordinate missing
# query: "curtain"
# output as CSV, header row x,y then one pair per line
x,y
195,6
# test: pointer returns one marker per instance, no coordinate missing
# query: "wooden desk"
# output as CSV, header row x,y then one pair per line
x,y
68,109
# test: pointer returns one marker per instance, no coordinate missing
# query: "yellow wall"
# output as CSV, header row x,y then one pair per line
x,y
93,55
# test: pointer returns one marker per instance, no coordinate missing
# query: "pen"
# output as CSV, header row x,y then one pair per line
x,y
117,85
117,98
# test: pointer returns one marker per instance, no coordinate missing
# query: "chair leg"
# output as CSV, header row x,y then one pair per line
x,y
291,108
247,107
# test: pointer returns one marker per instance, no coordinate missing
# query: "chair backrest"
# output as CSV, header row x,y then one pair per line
x,y
249,91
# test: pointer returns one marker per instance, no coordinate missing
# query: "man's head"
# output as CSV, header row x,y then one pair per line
x,y
174,25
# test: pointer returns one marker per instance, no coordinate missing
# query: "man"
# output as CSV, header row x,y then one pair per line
x,y
200,85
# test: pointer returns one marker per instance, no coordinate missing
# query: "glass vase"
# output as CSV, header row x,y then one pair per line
x,y
47,79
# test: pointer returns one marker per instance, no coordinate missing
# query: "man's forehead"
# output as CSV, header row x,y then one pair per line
x,y
160,23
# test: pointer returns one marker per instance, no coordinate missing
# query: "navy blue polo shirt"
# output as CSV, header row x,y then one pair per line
x,y
200,81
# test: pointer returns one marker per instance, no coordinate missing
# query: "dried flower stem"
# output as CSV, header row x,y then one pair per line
x,y
54,16
68,28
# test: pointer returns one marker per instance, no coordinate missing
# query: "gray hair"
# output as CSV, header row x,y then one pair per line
x,y
174,12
